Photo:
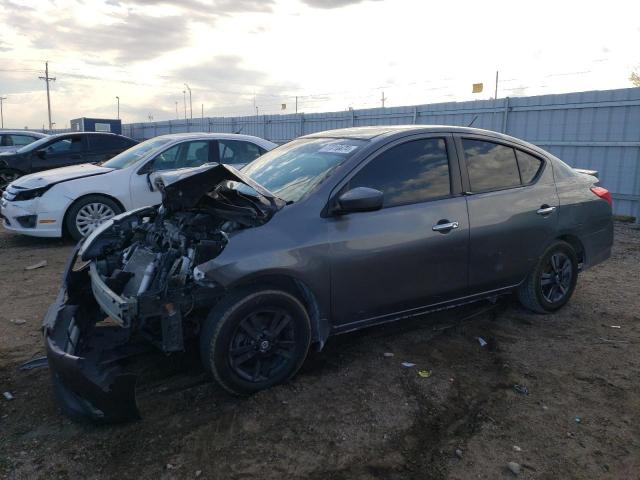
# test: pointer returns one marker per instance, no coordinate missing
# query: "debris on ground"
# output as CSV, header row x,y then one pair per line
x,y
521,389
578,420
458,453
40,264
615,326
387,354
514,467
198,473
18,321
424,373
408,364
8,395
516,448
482,341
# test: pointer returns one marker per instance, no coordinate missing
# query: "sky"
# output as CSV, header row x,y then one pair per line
x,y
248,57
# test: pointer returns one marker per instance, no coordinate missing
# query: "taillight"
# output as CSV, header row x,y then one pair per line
x,y
603,193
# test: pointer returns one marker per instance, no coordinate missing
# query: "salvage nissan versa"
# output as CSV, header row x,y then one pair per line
x,y
332,232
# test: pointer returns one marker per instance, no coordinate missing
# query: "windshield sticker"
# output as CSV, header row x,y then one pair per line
x,y
338,148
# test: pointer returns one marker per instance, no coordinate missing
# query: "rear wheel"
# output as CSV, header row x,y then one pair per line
x,y
552,282
88,213
254,339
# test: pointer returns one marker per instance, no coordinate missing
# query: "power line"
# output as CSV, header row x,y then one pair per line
x,y
48,79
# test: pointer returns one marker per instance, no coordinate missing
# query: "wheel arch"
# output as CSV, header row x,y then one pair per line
x,y
576,244
299,289
82,197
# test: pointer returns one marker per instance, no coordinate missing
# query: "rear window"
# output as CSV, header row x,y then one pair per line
x,y
107,142
529,166
491,166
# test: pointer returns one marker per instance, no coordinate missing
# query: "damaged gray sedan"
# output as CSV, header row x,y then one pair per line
x,y
330,233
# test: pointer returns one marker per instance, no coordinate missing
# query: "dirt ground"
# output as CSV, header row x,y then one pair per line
x,y
352,412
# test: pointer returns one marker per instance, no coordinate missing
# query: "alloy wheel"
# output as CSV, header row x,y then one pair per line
x,y
91,215
556,278
262,345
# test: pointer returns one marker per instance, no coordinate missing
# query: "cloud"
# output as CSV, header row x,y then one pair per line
x,y
131,38
204,7
224,70
328,4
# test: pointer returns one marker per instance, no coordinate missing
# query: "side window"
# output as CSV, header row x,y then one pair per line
x,y
491,166
187,154
529,166
66,145
21,140
238,152
5,141
408,173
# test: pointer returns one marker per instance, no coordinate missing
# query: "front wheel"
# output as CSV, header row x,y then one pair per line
x,y
254,339
552,282
88,213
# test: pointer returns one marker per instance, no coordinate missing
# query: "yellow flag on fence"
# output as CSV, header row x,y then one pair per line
x,y
477,88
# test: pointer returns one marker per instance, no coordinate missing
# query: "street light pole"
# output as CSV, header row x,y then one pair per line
x,y
184,102
177,116
1,112
118,99
190,104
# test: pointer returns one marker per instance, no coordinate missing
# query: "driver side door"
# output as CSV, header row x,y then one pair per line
x,y
182,155
62,152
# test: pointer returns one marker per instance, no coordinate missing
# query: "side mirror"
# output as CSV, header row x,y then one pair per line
x,y
360,199
41,153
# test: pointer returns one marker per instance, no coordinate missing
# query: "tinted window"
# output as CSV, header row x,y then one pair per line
x,y
73,144
408,173
105,142
238,152
187,154
20,140
529,166
491,166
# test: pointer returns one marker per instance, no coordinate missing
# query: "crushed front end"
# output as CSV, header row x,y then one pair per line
x,y
133,286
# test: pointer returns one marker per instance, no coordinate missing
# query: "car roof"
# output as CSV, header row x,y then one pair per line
x,y
22,132
375,132
64,134
212,135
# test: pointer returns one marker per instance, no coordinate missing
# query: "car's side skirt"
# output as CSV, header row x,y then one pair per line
x,y
414,312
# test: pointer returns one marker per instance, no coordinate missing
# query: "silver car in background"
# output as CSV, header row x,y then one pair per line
x,y
12,140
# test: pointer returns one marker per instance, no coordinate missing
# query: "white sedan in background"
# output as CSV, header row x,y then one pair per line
x,y
76,199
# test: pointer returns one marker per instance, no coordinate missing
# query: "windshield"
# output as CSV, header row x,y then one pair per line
x,y
135,153
35,145
296,168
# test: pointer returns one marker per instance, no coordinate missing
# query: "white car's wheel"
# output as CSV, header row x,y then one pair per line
x,y
88,213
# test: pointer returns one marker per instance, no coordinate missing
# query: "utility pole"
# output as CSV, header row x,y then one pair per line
x,y
48,79
184,102
296,104
177,117
383,98
190,104
118,99
202,116
496,95
1,113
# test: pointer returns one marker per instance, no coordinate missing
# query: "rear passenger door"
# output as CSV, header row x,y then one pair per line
x,y
402,257
512,203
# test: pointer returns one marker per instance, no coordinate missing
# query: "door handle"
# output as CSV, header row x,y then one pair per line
x,y
445,227
545,210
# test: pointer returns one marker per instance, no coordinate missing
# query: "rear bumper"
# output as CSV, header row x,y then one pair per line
x,y
598,246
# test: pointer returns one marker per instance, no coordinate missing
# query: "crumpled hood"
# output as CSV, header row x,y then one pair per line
x,y
57,175
184,188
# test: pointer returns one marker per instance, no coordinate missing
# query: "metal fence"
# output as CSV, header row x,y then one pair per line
x,y
598,130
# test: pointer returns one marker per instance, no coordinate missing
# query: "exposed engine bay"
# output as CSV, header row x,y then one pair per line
x,y
143,265
134,283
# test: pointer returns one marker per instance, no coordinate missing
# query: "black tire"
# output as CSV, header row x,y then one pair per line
x,y
79,205
7,176
233,355
548,288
